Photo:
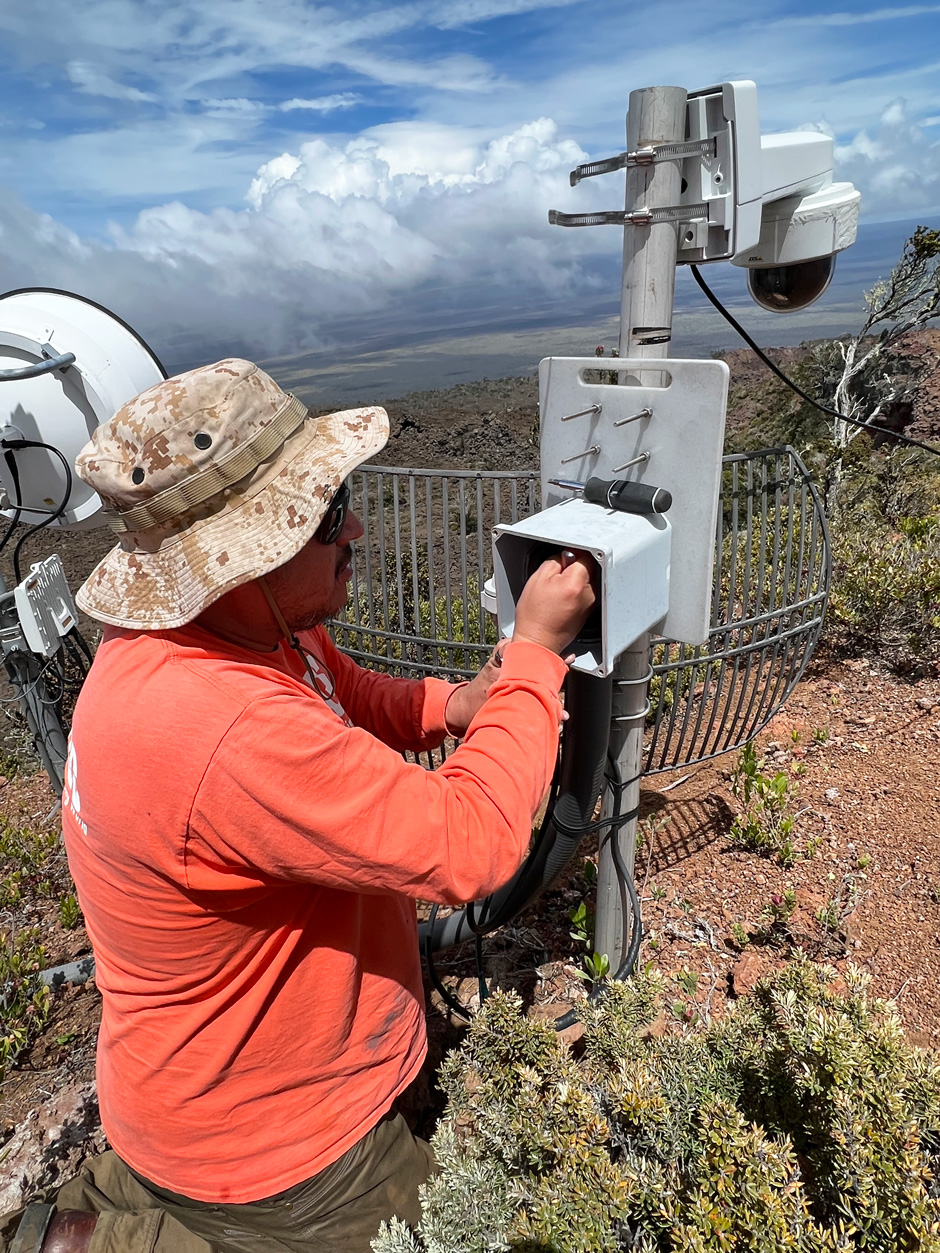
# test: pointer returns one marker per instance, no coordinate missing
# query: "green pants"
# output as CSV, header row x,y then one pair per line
x,y
337,1211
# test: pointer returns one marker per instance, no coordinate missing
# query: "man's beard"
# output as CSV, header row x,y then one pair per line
x,y
310,620
316,616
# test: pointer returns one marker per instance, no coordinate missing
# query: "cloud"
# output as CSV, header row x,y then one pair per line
x,y
94,81
403,218
895,166
240,107
407,224
896,14
323,104
189,46
384,212
237,107
456,13
251,237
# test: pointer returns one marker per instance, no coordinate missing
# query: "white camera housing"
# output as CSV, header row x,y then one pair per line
x,y
806,220
770,202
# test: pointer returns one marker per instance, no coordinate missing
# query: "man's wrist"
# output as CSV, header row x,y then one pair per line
x,y
534,637
528,658
455,720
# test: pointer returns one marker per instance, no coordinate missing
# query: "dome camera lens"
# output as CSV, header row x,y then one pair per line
x,y
784,288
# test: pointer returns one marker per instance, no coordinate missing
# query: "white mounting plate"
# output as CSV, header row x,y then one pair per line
x,y
730,182
684,437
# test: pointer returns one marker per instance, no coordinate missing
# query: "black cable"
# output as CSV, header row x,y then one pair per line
x,y
450,1001
628,890
627,885
34,683
481,973
483,928
77,660
79,647
844,417
626,879
581,781
13,444
55,697
18,506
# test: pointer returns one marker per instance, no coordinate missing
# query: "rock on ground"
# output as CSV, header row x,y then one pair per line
x,y
50,1145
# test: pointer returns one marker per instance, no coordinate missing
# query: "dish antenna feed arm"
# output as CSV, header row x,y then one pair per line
x,y
52,361
576,789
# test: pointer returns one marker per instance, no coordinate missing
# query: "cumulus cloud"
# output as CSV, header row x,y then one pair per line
x,y
395,225
401,223
395,219
895,165
385,213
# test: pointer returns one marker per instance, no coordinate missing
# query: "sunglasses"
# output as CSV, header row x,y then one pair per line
x,y
328,531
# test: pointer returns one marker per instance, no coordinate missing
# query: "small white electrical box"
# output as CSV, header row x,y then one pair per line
x,y
632,552
45,606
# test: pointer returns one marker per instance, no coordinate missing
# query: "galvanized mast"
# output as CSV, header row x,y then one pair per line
x,y
656,115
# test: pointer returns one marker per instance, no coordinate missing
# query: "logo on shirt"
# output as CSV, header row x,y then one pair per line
x,y
324,685
70,796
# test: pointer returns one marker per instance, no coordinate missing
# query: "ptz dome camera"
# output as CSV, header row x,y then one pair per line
x,y
786,288
802,228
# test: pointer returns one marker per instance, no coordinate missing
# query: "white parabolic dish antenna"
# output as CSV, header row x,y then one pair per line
x,y
66,365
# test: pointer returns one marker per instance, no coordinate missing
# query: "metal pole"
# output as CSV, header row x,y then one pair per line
x,y
656,116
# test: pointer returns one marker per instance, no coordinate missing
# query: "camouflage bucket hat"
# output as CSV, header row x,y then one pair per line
x,y
211,479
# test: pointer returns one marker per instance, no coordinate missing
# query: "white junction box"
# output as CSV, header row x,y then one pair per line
x,y
633,555
45,607
661,425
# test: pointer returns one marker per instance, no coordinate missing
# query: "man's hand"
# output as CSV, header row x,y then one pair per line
x,y
466,699
552,609
556,601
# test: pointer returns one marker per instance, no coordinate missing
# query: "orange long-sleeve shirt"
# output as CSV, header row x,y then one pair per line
x,y
246,855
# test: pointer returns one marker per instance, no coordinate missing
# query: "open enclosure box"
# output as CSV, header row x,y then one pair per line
x,y
632,578
660,423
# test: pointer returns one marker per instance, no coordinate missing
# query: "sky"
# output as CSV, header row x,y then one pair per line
x,y
279,177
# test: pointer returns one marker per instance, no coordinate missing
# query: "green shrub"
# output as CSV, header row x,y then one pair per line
x,y
801,1120
765,825
24,1001
31,861
70,913
886,590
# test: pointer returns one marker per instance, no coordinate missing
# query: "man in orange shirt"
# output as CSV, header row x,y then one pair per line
x,y
248,841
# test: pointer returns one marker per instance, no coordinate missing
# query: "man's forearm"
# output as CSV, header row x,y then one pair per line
x,y
467,698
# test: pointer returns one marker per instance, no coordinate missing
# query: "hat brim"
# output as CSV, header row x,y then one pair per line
x,y
158,580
